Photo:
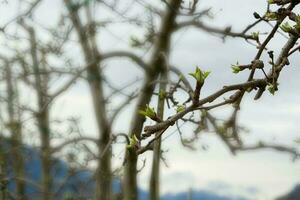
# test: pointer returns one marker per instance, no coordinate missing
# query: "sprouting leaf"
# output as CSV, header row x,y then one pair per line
x,y
255,35
180,108
286,27
271,2
236,68
196,74
148,112
271,16
271,88
199,75
133,141
206,74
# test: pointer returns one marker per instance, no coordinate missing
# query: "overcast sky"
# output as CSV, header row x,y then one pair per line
x,y
260,175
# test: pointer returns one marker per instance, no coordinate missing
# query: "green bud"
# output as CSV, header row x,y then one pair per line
x,y
255,35
148,112
133,141
236,68
271,16
271,88
199,75
286,27
206,74
180,108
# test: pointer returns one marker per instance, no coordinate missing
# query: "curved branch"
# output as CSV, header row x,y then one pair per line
x,y
171,120
68,84
225,31
183,79
121,107
126,54
71,141
261,145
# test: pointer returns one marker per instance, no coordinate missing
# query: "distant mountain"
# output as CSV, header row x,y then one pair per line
x,y
292,195
66,181
201,195
78,183
196,195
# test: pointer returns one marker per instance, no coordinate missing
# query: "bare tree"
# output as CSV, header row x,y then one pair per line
x,y
156,65
14,125
42,115
154,180
3,182
89,48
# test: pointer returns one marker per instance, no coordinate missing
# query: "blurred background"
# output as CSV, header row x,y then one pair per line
x,y
208,170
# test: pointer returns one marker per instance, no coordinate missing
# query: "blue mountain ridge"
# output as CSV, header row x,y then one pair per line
x,y
79,183
294,194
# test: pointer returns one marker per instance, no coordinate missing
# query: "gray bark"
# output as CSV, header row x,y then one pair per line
x,y
16,134
91,54
42,117
159,55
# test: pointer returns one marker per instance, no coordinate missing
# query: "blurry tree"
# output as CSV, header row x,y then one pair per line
x,y
14,125
86,34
